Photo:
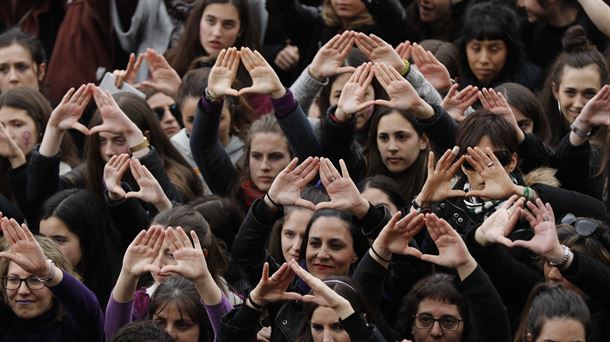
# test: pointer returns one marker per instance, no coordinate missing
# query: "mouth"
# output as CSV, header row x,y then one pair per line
x,y
266,179
215,44
294,256
485,72
24,302
393,160
322,267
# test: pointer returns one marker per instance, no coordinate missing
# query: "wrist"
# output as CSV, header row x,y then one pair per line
x,y
480,238
163,205
381,252
255,299
315,74
47,272
423,111
466,268
555,255
276,94
17,159
344,309
362,208
340,116
421,202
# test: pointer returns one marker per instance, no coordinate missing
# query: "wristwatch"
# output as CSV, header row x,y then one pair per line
x,y
566,256
579,132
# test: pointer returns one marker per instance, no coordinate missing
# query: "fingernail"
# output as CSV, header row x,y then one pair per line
x,y
455,150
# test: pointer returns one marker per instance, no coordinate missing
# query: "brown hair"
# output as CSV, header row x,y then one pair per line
x,y
331,18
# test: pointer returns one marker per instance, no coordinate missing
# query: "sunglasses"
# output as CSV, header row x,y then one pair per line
x,y
173,108
583,226
504,157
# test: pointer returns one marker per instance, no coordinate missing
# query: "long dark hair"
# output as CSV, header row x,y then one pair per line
x,y
29,42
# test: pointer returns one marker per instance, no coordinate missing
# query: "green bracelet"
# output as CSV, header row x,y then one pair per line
x,y
527,193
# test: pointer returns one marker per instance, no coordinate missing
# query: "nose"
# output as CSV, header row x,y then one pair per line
x,y
109,150
216,30
392,145
555,275
580,101
12,74
296,245
23,289
323,253
328,336
171,331
520,4
265,165
436,330
483,56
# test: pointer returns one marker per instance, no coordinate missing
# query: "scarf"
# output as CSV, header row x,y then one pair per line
x,y
251,192
481,207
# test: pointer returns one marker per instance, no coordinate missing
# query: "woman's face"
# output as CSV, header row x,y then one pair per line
x,y
269,155
68,242
188,109
398,143
525,123
363,116
111,144
330,248
165,257
377,197
178,325
348,9
18,69
167,121
219,27
434,309
293,230
486,58
434,11
561,329
325,326
576,88
474,179
21,127
27,303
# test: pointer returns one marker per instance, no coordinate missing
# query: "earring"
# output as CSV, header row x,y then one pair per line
x,y
559,107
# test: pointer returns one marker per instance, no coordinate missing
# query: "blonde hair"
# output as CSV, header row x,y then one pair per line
x,y
331,18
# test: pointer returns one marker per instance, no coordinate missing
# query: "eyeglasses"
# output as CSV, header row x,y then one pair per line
x,y
14,283
583,227
173,108
446,322
504,158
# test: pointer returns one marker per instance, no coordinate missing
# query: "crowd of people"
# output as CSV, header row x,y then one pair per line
x,y
314,170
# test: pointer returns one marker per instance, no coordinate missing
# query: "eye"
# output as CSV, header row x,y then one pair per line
x,y
3,68
228,25
314,243
34,282
425,319
337,246
317,327
383,137
276,156
589,94
256,155
289,233
569,92
336,327
12,280
184,325
402,136
60,240
210,20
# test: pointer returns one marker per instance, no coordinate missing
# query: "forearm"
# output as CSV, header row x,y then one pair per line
x,y
208,290
424,89
51,141
125,287
296,127
306,88
599,12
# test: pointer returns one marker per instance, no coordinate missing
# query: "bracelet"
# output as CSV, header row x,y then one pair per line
x,y
272,201
566,256
254,305
51,274
579,131
377,255
211,98
418,208
406,69
144,144
528,194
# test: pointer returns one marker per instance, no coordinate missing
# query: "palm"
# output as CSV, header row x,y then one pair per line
x,y
66,115
331,62
449,252
597,113
220,80
545,238
262,80
436,74
291,186
351,98
189,262
402,95
114,118
112,180
499,187
150,190
166,80
138,259
28,255
343,194
387,55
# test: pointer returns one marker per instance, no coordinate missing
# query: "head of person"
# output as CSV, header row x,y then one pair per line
x,y
434,310
382,190
189,220
543,10
527,109
485,129
331,244
576,75
446,53
287,233
398,148
214,25
23,60
554,313
192,87
345,13
142,331
267,153
222,214
27,296
167,112
490,45
323,323
177,309
24,113
434,12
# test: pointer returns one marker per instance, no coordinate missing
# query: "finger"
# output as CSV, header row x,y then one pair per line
x,y
344,171
478,167
305,204
483,99
452,91
383,103
382,75
172,235
184,239
141,238
333,170
298,170
550,212
18,230
8,231
529,217
334,42
456,165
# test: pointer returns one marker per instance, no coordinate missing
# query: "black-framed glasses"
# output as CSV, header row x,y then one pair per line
x,y
504,158
173,108
14,283
446,322
584,227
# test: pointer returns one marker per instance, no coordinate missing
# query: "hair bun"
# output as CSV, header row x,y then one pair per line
x,y
575,40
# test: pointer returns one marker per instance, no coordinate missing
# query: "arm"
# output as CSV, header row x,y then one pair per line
x,y
337,140
565,201
441,129
306,88
589,275
599,12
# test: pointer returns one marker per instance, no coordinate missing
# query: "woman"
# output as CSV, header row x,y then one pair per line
x,y
44,301
78,222
22,60
382,190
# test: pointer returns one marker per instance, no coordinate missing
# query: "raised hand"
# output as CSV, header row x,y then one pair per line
x,y
433,70
113,174
222,75
150,189
114,119
141,253
437,187
402,94
597,110
287,58
404,49
189,257
164,78
394,238
287,186
10,150
264,79
273,289
456,103
66,115
500,224
498,184
129,74
545,241
452,251
495,102
23,249
329,60
352,96
343,193
378,51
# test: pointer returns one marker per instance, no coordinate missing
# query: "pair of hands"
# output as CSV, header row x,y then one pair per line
x,y
344,195
23,249
222,75
150,189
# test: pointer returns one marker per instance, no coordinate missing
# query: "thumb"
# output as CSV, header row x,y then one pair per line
x,y
81,128
475,193
324,205
384,103
151,268
247,90
430,258
171,268
522,244
304,203
505,241
133,194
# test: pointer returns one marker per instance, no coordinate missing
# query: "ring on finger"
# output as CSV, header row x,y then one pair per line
x,y
332,179
490,164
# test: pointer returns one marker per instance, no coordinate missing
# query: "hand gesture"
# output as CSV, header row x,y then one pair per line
x,y
500,224
498,184
164,78
273,289
287,186
433,70
142,251
70,109
452,251
495,102
545,241
288,58
329,60
113,174
402,94
23,249
378,51
264,79
114,119
190,261
222,75
404,49
351,100
150,189
437,187
456,103
343,193
8,146
128,75
597,110
396,235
